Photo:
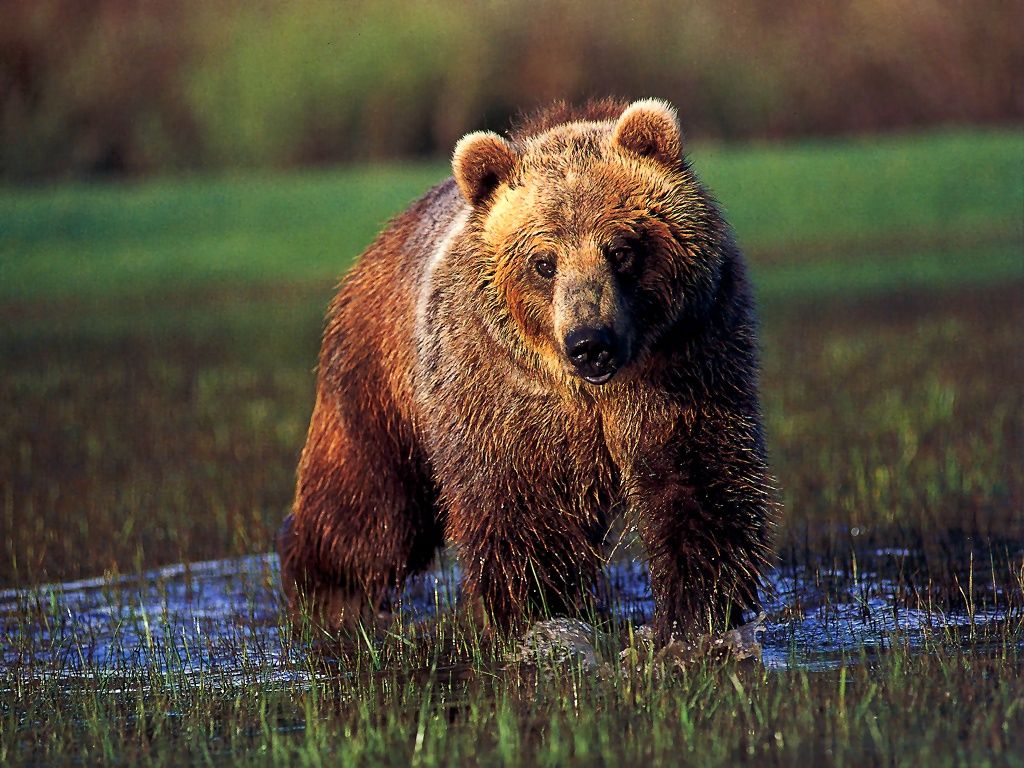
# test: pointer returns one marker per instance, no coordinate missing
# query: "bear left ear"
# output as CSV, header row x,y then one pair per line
x,y
481,161
650,128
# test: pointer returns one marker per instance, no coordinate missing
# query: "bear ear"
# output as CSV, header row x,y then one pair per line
x,y
481,161
650,128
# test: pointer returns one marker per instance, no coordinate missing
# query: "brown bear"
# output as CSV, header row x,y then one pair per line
x,y
561,334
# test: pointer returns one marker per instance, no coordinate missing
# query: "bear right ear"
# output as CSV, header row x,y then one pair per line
x,y
650,128
481,161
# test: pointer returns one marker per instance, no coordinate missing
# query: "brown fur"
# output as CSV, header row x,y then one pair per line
x,y
447,407
562,112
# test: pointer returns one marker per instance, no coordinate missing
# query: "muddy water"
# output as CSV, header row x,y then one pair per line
x,y
219,623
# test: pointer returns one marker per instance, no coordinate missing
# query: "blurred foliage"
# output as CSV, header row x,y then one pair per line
x,y
143,85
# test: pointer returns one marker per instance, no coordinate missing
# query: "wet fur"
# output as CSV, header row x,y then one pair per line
x,y
446,409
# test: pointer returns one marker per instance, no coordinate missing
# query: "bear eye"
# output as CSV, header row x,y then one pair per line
x,y
545,266
622,257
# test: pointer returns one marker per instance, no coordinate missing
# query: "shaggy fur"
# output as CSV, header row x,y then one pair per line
x,y
448,408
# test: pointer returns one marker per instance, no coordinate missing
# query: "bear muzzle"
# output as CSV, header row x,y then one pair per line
x,y
594,353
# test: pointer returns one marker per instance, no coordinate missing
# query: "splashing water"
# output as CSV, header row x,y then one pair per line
x,y
220,623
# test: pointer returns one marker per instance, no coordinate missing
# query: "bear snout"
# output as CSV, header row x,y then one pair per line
x,y
594,353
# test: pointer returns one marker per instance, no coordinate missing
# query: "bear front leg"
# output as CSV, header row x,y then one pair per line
x,y
524,559
705,511
364,518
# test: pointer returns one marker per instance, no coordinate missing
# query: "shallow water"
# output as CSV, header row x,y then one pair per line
x,y
219,623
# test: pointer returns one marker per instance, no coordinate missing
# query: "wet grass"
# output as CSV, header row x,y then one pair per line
x,y
941,708
443,693
140,427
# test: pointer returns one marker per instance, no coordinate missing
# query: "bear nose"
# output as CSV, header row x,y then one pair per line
x,y
592,351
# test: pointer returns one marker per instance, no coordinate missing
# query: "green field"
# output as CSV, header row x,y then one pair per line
x,y
156,350
931,198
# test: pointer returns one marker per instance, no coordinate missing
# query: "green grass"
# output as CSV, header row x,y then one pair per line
x,y
156,349
101,241
873,190
934,710
937,196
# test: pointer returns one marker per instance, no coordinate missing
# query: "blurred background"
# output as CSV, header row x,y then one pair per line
x,y
182,182
150,86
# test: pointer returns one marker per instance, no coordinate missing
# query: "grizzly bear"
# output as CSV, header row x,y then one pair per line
x,y
561,334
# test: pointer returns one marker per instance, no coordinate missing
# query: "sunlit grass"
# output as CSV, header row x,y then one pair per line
x,y
935,196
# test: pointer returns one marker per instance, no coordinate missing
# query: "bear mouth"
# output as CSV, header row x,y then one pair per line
x,y
598,379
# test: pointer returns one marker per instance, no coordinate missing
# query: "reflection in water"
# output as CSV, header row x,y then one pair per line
x,y
219,623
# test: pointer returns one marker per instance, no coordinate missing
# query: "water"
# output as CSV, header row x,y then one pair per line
x,y
220,623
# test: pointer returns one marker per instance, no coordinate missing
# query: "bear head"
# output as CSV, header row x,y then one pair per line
x,y
591,234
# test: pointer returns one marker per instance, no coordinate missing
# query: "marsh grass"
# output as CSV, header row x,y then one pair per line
x,y
156,354
452,697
